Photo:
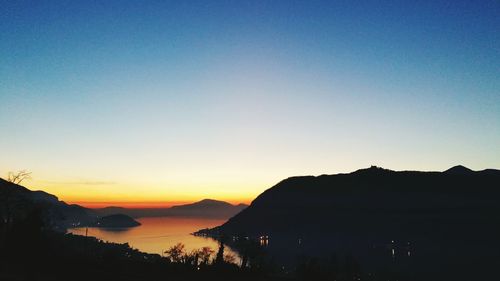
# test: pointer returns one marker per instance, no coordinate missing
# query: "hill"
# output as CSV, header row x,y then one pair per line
x,y
117,221
373,198
17,202
206,208
423,223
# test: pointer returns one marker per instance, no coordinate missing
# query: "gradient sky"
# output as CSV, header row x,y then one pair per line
x,y
168,101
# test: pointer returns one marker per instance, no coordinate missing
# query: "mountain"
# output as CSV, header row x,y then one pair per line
x,y
117,221
459,170
428,223
18,202
111,210
373,199
206,208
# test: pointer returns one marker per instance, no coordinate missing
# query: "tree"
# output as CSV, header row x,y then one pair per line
x,y
176,252
7,194
191,258
230,258
219,258
19,176
205,253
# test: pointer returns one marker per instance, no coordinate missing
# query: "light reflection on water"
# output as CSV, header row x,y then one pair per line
x,y
157,234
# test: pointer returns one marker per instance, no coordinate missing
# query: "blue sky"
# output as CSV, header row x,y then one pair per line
x,y
186,99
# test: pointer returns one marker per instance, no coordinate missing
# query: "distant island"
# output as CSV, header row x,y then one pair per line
x,y
206,208
116,221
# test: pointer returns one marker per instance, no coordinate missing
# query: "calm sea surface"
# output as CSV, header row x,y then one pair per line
x,y
155,235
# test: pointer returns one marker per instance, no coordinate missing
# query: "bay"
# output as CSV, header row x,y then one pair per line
x,y
157,234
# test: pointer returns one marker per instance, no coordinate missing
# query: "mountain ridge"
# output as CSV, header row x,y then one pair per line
x,y
432,222
206,208
18,202
374,189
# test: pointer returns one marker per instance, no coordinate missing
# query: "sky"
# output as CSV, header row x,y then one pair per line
x,y
156,102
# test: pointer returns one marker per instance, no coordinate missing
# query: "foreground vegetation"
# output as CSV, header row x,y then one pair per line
x,y
30,251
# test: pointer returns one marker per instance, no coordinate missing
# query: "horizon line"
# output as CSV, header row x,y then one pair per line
x,y
144,204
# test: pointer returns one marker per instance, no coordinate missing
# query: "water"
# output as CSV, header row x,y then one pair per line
x,y
420,257
157,234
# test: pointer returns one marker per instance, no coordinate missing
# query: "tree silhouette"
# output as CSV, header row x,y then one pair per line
x,y
7,194
230,258
204,254
18,177
219,258
176,252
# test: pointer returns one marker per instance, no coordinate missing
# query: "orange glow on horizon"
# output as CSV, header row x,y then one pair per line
x,y
94,195
145,205
132,205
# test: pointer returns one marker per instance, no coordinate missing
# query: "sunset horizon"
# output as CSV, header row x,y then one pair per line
x,y
249,140
155,202
145,204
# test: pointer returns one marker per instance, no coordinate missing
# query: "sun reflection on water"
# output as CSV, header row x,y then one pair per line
x,y
157,234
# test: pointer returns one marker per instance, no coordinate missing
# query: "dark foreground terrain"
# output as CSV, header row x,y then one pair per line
x,y
29,251
35,246
372,224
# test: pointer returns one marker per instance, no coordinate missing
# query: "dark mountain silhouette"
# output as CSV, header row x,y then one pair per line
x,y
206,208
458,170
118,221
17,202
203,204
111,210
425,222
373,198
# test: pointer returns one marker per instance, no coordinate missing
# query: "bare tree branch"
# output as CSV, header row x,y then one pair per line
x,y
19,176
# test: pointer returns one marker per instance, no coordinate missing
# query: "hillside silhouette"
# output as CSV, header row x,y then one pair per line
x,y
17,202
422,222
373,199
371,224
118,220
206,208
